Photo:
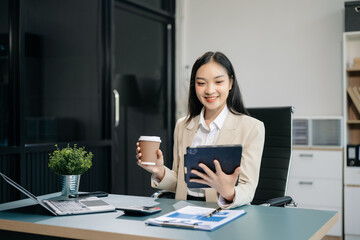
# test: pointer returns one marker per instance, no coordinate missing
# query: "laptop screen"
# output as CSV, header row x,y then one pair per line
x,y
24,191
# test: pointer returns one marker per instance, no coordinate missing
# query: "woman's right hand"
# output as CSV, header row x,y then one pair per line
x,y
158,170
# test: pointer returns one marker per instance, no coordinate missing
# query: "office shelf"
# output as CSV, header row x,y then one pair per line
x,y
353,122
351,80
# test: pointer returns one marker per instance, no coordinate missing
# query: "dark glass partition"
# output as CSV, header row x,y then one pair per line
x,y
61,70
60,62
142,79
4,74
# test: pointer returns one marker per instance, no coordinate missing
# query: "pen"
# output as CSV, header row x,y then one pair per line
x,y
168,224
213,212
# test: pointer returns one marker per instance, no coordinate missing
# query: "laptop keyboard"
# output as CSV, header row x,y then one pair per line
x,y
70,206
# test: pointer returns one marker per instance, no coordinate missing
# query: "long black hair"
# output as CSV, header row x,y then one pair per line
x,y
234,100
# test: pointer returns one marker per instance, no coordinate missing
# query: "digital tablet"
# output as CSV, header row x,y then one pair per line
x,y
229,157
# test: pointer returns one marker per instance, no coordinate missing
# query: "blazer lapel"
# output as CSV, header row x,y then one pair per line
x,y
189,132
228,131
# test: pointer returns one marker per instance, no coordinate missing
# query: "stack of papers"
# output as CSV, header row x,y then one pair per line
x,y
195,218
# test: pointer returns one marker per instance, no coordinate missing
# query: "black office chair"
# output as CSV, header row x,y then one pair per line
x,y
275,162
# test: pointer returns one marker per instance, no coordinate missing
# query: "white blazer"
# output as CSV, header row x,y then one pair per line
x,y
237,129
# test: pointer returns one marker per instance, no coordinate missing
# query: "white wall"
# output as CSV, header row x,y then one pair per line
x,y
285,52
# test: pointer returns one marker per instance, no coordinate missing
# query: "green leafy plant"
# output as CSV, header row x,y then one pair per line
x,y
70,161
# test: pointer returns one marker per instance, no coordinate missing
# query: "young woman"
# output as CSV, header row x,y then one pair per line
x,y
216,116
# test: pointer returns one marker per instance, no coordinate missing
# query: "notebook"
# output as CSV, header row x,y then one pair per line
x,y
229,157
65,206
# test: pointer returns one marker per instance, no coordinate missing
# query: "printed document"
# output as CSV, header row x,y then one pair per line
x,y
196,218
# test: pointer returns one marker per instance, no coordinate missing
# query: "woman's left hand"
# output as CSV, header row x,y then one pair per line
x,y
222,182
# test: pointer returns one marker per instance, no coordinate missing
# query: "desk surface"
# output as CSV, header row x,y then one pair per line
x,y
259,222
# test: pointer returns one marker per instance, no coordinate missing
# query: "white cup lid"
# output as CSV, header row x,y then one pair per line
x,y
150,138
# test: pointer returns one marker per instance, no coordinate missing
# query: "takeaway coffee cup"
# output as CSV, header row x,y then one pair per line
x,y
149,146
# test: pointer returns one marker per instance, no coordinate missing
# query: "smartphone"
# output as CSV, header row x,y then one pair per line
x,y
139,210
89,194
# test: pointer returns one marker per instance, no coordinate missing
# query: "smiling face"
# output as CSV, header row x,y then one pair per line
x,y
212,86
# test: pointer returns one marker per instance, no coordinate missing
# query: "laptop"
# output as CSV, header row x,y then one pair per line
x,y
66,206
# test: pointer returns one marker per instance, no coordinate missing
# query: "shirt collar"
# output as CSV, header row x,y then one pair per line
x,y
219,120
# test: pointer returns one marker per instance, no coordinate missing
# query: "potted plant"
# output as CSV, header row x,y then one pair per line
x,y
70,163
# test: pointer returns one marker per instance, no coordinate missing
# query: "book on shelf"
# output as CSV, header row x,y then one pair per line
x,y
357,93
356,63
353,158
354,95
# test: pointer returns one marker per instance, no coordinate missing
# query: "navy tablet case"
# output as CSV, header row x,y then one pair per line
x,y
229,157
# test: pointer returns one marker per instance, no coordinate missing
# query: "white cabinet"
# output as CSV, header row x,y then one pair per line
x,y
315,181
352,210
352,202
